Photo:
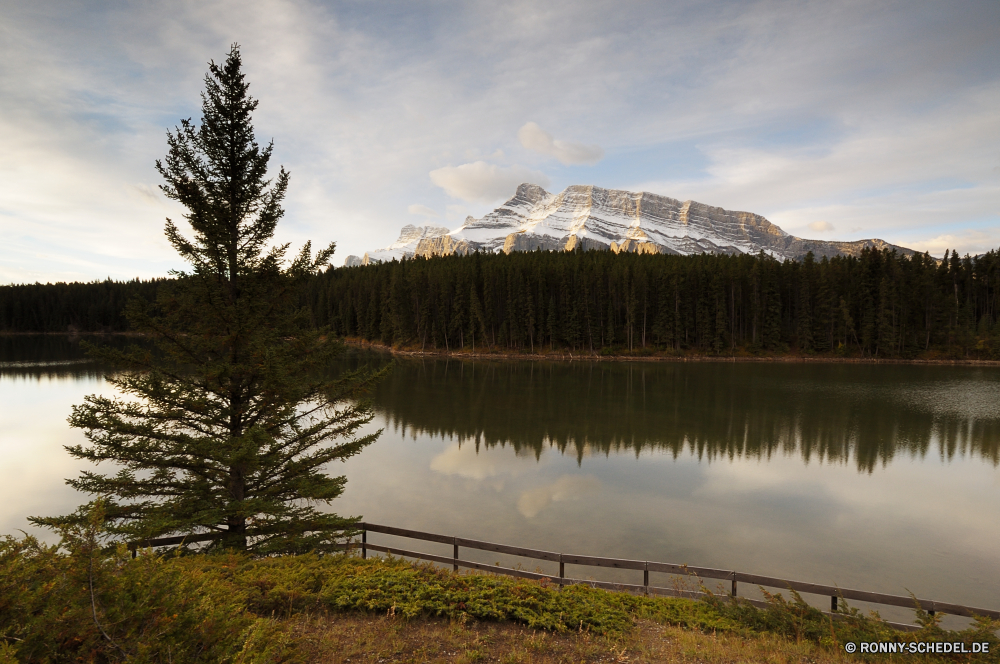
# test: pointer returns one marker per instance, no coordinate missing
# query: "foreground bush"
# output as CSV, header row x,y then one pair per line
x,y
80,604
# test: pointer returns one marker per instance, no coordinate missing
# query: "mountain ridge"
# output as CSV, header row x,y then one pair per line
x,y
591,217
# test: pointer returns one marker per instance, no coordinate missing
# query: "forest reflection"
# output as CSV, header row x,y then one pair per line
x,y
37,356
825,413
867,415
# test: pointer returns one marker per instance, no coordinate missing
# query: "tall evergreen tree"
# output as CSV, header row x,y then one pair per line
x,y
228,427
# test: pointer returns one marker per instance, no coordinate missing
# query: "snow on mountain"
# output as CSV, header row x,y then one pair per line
x,y
594,218
404,247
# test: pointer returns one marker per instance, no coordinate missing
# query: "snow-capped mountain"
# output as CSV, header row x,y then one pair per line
x,y
595,218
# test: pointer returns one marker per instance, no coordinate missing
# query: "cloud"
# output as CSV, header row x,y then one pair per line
x,y
422,210
851,494
535,138
480,182
567,487
469,463
821,226
361,108
971,242
456,212
902,179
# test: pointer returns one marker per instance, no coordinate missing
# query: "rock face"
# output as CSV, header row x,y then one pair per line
x,y
590,217
405,247
442,245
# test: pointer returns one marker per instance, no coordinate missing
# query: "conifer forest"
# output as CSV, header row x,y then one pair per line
x,y
879,304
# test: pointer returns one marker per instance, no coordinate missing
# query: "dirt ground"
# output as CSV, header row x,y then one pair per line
x,y
378,640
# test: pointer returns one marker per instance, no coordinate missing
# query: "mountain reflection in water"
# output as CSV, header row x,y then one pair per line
x,y
828,413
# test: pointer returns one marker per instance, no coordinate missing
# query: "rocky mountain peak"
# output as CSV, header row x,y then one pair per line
x,y
410,233
529,193
590,217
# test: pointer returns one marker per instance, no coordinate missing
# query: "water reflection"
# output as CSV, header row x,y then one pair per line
x,y
864,415
826,413
35,356
883,478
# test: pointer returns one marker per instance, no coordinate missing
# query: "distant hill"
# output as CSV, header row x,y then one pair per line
x,y
611,219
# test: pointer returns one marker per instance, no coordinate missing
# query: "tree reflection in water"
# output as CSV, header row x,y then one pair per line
x,y
827,413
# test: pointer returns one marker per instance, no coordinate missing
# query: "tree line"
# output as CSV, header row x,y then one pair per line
x,y
97,306
878,304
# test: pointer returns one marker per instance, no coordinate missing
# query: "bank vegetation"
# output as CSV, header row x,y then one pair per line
x,y
88,600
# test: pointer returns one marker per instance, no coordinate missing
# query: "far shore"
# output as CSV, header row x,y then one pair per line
x,y
71,334
563,355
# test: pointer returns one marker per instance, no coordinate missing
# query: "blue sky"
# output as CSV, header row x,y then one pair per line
x,y
835,120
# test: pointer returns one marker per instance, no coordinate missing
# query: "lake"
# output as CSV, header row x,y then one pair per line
x,y
883,478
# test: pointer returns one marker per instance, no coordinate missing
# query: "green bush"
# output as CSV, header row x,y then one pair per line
x,y
79,603
796,619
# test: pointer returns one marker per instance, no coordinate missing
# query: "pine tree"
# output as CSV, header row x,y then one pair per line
x,y
228,427
771,328
477,322
823,322
804,331
553,321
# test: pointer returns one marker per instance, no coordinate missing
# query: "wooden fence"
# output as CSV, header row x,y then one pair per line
x,y
645,566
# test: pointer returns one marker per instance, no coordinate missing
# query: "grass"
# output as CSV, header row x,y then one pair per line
x,y
85,603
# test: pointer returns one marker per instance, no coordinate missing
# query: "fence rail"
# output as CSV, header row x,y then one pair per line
x,y
645,566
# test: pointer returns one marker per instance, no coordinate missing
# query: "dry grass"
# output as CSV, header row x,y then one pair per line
x,y
361,639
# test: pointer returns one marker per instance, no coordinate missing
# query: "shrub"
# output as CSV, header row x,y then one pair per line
x,y
80,603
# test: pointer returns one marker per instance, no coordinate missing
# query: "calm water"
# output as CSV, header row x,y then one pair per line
x,y
884,478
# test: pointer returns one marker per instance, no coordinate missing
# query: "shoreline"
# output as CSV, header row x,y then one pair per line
x,y
71,335
566,356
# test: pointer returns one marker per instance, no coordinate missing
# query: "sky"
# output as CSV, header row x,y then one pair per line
x,y
835,120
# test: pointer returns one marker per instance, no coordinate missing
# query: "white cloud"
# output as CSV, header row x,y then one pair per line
x,y
422,210
567,487
467,462
853,494
535,138
969,242
821,226
484,183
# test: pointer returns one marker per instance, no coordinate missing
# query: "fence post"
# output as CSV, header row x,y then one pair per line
x,y
562,570
734,584
364,542
645,576
455,566
833,603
